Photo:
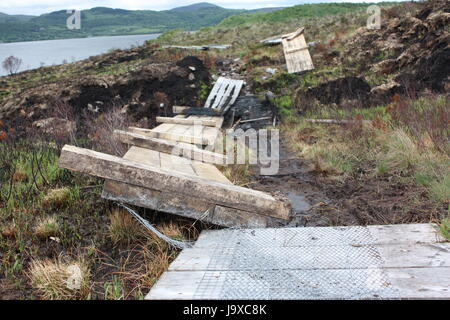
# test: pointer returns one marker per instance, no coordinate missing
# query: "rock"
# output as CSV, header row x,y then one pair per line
x,y
191,77
384,92
385,66
271,70
55,125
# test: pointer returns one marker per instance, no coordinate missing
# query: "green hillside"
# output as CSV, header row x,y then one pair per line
x,y
295,12
106,21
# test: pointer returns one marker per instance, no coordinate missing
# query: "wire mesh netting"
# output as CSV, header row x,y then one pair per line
x,y
288,263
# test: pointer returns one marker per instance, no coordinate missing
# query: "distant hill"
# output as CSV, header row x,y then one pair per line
x,y
290,13
103,21
13,18
195,6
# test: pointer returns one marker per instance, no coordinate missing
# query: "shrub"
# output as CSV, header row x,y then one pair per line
x,y
12,64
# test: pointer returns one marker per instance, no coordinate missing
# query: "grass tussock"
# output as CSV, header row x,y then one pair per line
x,y
57,198
59,279
123,228
47,227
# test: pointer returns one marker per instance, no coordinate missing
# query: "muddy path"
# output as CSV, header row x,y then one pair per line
x,y
296,181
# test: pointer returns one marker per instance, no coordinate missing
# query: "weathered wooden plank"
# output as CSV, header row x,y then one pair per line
x,y
328,236
187,121
217,119
145,156
176,286
195,111
208,171
406,234
171,136
421,283
178,164
296,52
236,93
220,93
118,169
210,133
189,207
415,255
226,95
214,91
321,257
163,127
409,283
185,150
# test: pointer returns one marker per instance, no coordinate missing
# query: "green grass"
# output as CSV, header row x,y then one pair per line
x,y
292,13
444,227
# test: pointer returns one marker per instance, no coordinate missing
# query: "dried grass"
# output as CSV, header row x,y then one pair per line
x,y
59,279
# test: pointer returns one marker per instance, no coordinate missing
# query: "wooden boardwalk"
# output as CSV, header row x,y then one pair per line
x,y
374,262
168,169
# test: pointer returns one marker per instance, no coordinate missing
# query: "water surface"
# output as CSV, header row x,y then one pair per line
x,y
34,54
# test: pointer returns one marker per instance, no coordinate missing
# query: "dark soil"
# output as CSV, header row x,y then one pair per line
x,y
142,94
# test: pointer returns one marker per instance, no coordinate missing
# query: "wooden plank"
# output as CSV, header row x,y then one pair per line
x,y
185,150
236,93
234,84
178,129
306,258
296,52
421,283
217,119
171,136
208,171
415,255
328,236
163,127
210,134
187,121
176,286
410,283
118,169
214,91
178,164
145,156
195,111
406,234
189,207
220,93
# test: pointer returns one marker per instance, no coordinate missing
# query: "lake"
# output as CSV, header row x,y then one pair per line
x,y
52,52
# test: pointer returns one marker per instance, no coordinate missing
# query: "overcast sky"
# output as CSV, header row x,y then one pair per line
x,y
36,7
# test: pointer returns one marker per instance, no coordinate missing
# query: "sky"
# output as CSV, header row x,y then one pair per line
x,y
37,7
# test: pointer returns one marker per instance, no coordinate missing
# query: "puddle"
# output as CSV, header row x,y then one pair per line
x,y
299,202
